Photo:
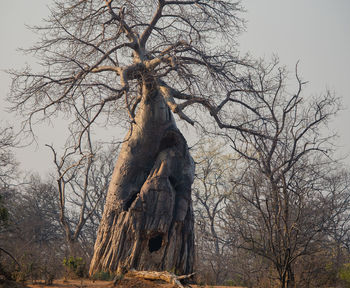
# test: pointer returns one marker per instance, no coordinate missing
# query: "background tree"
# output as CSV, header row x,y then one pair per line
x,y
211,190
33,240
8,164
140,61
220,260
287,186
8,168
82,181
33,235
227,215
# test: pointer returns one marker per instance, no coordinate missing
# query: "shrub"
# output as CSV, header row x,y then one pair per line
x,y
236,281
344,274
230,283
104,276
19,276
76,267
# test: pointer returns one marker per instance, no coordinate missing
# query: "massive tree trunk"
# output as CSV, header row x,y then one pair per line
x,y
147,222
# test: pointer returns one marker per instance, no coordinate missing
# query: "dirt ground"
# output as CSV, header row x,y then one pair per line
x,y
125,283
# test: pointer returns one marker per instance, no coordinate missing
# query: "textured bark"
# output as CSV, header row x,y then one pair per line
x,y
148,218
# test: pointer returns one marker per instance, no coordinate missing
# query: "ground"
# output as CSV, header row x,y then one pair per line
x,y
125,283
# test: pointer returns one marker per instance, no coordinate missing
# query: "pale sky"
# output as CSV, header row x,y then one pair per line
x,y
314,32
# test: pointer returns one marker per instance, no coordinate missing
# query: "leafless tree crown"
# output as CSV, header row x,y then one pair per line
x,y
96,55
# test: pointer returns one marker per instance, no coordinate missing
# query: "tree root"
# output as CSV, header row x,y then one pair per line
x,y
160,275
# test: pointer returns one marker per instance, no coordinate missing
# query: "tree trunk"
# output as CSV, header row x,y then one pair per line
x,y
287,279
147,222
290,277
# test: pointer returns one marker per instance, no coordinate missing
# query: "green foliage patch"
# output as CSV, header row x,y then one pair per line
x,y
344,274
104,276
75,267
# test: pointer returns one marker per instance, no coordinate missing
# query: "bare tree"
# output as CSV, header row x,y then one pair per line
x,y
288,180
100,175
33,234
211,189
339,229
141,61
34,213
8,168
49,220
219,257
8,164
82,182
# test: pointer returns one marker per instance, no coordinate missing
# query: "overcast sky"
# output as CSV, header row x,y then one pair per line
x,y
314,32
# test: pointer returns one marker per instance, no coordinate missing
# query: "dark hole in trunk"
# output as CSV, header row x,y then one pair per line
x,y
168,140
172,181
130,201
155,243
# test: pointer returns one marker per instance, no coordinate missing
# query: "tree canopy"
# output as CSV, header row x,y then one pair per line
x,y
95,54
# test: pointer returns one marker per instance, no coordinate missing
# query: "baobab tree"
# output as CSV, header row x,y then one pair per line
x,y
138,62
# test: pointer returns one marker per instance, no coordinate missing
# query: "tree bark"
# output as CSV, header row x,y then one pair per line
x,y
290,277
147,222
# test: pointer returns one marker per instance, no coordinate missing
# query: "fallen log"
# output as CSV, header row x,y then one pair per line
x,y
160,275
